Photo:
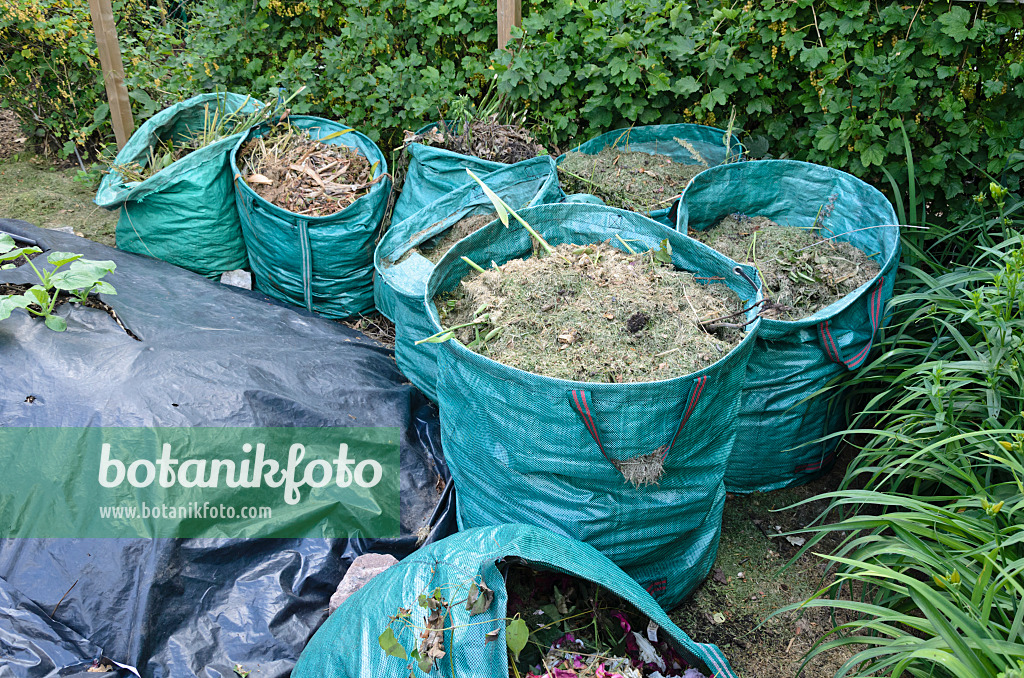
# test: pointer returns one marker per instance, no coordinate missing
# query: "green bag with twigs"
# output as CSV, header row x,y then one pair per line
x,y
691,149
452,598
792,396
172,182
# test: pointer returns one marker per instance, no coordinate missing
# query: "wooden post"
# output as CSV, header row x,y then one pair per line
x,y
113,70
510,13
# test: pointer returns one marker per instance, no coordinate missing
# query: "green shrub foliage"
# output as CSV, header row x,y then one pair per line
x,y
830,81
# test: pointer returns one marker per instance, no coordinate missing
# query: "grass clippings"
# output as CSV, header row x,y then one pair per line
x,y
485,139
630,180
291,169
31,188
435,248
801,271
580,630
592,313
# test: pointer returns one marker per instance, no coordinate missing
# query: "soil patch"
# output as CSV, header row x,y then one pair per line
x,y
578,629
435,248
801,271
732,607
291,169
64,297
592,313
631,180
34,190
12,138
485,139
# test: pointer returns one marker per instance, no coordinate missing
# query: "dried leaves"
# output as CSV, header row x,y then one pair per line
x,y
303,175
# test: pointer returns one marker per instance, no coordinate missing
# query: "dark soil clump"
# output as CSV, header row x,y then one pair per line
x,y
435,248
592,313
801,271
631,180
485,139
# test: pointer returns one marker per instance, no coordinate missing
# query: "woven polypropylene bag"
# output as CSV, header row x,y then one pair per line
x,y
401,276
779,420
347,645
433,173
185,213
322,263
538,450
709,142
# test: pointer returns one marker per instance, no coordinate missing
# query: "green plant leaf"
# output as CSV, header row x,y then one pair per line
x,y
11,255
9,303
61,258
499,204
6,243
390,644
102,287
56,323
37,295
516,635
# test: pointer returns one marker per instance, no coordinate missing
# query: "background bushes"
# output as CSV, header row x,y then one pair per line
x,y
832,81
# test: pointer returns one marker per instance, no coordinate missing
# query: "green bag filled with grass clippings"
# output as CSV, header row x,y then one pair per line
x,y
434,170
644,169
634,469
311,223
473,588
409,250
185,212
827,248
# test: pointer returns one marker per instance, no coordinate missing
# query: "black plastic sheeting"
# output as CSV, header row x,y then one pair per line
x,y
210,355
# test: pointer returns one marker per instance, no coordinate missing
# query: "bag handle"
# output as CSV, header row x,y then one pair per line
x,y
580,400
307,264
831,346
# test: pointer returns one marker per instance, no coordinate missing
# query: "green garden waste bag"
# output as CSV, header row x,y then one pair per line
x,y
433,173
324,264
347,645
184,214
401,274
709,142
779,420
533,449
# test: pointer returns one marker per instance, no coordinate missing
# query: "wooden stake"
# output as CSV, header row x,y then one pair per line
x,y
113,70
510,13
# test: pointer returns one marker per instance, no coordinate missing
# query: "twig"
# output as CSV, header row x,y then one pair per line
x,y
62,599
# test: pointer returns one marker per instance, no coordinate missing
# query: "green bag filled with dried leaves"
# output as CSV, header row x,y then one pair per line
x,y
447,610
184,212
634,469
311,194
407,253
434,170
828,249
644,169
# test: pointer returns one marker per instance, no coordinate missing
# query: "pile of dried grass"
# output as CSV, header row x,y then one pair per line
x,y
801,271
592,313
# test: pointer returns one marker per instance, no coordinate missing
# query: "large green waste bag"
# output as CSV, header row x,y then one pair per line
x,y
184,214
709,142
324,264
347,645
433,173
538,450
401,280
779,420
